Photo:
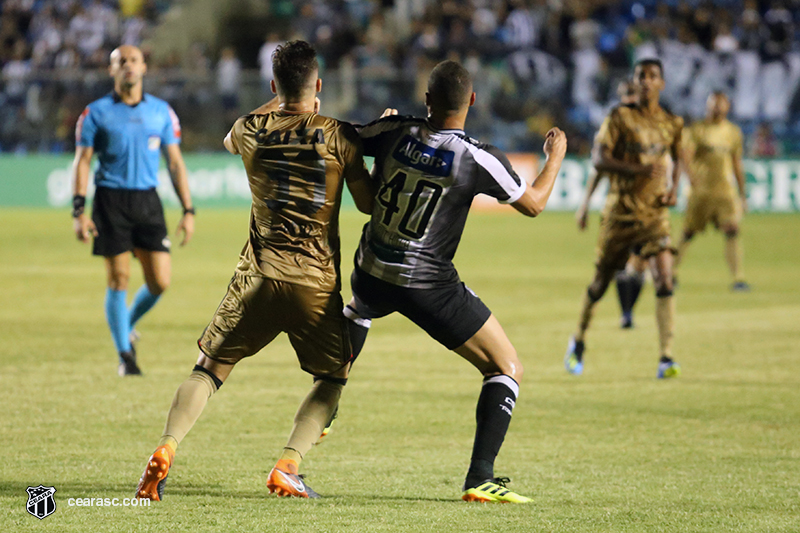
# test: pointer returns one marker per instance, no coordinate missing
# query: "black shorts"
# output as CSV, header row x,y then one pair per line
x,y
451,314
128,219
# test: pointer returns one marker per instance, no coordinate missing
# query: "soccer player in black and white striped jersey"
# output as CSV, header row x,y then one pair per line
x,y
428,172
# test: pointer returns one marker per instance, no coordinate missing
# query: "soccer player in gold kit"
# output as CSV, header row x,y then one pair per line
x,y
713,153
632,146
631,278
288,278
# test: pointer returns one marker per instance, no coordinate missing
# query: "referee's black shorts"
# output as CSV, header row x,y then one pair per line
x,y
128,219
451,314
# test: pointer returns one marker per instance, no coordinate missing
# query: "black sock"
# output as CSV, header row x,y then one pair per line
x,y
624,291
358,328
635,287
493,414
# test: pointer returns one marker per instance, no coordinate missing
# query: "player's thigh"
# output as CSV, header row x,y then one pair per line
x,y
614,245
157,269
114,225
248,318
372,297
728,215
317,329
697,214
118,270
654,239
491,351
451,314
150,228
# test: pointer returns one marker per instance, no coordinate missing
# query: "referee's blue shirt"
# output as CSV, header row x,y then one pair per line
x,y
127,139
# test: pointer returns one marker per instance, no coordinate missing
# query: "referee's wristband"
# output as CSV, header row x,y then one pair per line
x,y
78,205
189,211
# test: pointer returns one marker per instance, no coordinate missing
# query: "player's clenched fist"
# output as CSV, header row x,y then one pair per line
x,y
84,227
555,143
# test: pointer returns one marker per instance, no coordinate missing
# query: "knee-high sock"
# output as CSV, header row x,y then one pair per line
x,y
142,303
187,405
118,321
587,310
311,418
636,280
733,256
665,313
493,415
358,328
623,290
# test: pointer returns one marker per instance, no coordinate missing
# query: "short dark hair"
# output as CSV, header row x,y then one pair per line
x,y
293,65
650,61
720,92
449,86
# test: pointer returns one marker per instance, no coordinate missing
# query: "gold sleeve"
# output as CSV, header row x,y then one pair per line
x,y
609,133
351,152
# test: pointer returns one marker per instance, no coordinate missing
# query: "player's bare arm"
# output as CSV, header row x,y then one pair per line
x,y
676,151
582,215
180,180
738,172
363,191
534,200
83,225
604,161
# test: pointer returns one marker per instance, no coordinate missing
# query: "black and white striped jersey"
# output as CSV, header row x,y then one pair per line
x,y
427,179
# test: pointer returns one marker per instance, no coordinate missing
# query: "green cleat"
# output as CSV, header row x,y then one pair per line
x,y
667,368
495,491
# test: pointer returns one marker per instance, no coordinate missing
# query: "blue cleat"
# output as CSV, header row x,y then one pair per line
x,y
740,286
667,368
573,361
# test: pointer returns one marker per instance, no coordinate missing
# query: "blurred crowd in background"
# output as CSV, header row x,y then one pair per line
x,y
536,63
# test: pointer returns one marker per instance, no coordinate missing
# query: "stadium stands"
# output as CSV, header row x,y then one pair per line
x,y
535,65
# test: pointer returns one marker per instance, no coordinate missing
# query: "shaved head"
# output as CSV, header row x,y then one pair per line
x,y
449,88
127,67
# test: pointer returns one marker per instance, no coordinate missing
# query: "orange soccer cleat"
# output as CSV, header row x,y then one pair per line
x,y
285,481
154,478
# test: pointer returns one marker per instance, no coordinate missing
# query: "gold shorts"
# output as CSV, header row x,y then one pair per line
x,y
256,309
722,211
618,239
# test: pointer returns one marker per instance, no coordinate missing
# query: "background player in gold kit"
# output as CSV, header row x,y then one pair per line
x,y
288,278
713,153
632,146
631,278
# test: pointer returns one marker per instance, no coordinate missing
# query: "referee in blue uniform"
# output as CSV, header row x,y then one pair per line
x,y
128,130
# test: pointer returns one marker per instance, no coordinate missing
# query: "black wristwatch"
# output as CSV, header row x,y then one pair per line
x,y
189,211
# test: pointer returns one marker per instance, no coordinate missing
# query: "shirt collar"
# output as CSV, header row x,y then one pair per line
x,y
436,130
118,100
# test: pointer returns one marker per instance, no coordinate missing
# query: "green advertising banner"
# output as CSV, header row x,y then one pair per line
x,y
219,180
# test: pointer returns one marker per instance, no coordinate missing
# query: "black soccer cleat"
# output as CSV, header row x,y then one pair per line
x,y
128,366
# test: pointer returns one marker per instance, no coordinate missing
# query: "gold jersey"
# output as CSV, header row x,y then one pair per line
x,y
715,146
634,136
296,165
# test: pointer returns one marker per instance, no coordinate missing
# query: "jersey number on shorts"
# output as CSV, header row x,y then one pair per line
x,y
282,169
420,204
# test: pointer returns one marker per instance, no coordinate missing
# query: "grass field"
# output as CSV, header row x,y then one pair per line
x,y
614,450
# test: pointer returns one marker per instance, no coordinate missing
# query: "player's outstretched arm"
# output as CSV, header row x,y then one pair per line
x,y
180,180
738,171
676,151
81,165
534,200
